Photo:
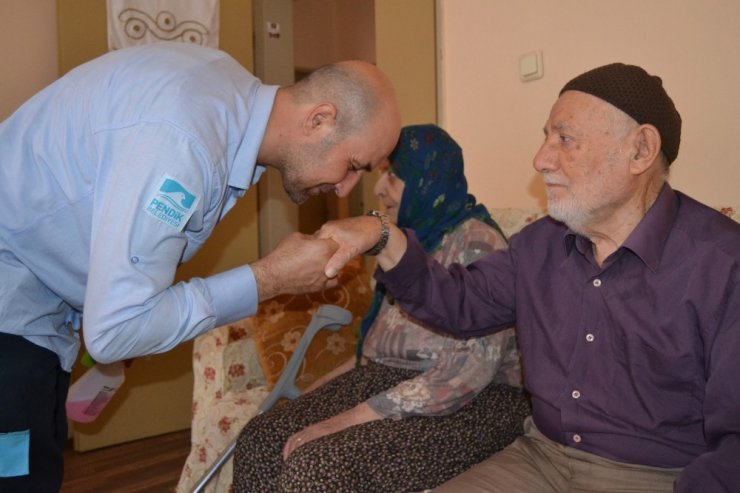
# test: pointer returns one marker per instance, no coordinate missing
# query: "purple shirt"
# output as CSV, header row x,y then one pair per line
x,y
637,360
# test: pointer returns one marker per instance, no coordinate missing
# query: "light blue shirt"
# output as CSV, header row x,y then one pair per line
x,y
112,176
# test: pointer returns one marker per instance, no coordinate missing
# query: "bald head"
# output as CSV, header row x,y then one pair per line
x,y
329,128
359,90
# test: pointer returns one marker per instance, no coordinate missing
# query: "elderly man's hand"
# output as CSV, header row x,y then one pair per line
x,y
357,235
295,266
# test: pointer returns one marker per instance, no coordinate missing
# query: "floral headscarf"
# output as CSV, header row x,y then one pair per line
x,y
435,197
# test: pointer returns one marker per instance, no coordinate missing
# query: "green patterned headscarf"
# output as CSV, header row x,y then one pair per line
x,y
435,197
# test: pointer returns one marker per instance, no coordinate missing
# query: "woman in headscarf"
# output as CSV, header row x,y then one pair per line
x,y
417,407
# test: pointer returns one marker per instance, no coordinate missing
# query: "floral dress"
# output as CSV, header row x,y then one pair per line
x,y
452,370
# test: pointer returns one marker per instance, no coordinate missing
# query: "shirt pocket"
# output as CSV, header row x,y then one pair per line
x,y
14,449
661,387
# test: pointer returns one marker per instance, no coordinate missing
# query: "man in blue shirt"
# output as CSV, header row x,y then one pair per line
x,y
626,301
116,173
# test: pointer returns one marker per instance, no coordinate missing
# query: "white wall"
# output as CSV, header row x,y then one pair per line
x,y
28,50
498,120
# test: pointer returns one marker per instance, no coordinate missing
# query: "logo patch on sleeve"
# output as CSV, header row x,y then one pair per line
x,y
172,203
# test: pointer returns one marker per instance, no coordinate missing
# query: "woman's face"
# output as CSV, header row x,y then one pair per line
x,y
389,189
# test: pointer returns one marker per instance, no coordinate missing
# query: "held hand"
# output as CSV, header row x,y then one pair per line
x,y
354,236
357,235
295,266
362,413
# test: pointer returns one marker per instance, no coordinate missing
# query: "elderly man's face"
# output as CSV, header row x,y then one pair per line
x,y
585,160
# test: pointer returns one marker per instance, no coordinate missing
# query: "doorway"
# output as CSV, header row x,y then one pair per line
x,y
327,31
294,37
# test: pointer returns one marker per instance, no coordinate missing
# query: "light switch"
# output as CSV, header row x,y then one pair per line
x,y
273,30
530,66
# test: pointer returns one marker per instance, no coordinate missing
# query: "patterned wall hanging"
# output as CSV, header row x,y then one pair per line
x,y
136,22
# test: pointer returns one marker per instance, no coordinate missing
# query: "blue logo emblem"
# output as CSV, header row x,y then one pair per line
x,y
172,191
172,204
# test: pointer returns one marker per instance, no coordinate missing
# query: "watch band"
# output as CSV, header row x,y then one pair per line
x,y
384,233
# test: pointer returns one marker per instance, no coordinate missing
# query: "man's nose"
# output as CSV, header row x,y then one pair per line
x,y
546,159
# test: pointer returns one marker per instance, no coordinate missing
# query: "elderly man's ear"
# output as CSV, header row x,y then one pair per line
x,y
321,120
646,148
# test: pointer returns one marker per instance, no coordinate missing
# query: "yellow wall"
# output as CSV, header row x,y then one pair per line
x,y
405,49
498,119
28,50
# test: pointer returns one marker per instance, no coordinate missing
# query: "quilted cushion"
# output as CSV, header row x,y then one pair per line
x,y
280,322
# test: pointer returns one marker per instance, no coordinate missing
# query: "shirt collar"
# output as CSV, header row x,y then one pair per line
x,y
245,171
649,237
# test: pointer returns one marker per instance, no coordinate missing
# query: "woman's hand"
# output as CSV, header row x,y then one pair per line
x,y
357,235
355,416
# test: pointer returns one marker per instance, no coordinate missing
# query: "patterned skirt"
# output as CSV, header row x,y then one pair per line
x,y
383,456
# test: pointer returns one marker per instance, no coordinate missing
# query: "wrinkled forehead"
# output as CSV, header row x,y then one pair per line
x,y
576,109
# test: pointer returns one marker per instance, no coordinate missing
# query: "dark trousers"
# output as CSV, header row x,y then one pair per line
x,y
33,392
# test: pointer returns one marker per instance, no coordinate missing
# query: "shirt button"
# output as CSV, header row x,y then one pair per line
x,y
577,438
134,260
575,394
590,337
597,283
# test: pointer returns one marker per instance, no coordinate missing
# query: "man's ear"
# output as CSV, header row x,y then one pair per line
x,y
646,148
321,119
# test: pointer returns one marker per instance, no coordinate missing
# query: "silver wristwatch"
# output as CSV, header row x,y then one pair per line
x,y
384,233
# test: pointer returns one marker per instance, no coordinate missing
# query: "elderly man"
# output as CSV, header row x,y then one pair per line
x,y
119,171
626,300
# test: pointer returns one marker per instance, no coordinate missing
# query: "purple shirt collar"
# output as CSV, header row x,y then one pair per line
x,y
647,241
